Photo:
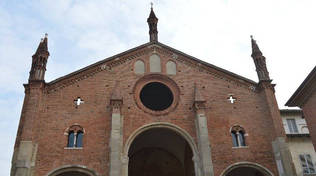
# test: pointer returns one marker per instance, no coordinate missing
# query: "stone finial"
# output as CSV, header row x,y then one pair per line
x,y
260,61
152,21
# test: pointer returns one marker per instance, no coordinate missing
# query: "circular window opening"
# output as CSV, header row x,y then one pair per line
x,y
156,96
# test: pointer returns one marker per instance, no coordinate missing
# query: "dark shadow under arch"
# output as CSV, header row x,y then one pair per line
x,y
160,152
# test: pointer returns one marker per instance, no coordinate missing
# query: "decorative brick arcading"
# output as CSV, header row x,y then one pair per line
x,y
111,63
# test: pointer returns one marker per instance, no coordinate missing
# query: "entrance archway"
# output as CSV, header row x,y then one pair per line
x,y
72,170
72,173
160,152
246,168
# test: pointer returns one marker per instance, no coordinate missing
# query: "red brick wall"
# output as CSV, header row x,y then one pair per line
x,y
57,112
309,110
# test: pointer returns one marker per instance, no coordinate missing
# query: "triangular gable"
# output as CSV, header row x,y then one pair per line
x,y
125,56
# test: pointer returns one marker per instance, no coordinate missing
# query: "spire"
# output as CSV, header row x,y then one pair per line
x,y
255,49
42,48
260,61
39,60
152,21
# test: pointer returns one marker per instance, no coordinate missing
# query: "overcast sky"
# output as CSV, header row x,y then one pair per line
x,y
81,32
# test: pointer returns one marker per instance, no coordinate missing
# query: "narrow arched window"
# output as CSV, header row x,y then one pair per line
x,y
139,67
154,63
79,139
238,136
171,68
235,138
71,139
241,138
75,136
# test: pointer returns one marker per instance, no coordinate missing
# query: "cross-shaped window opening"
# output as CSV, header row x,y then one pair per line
x,y
231,99
78,101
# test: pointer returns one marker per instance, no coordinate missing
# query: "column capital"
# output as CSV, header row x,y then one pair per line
x,y
116,104
198,105
125,159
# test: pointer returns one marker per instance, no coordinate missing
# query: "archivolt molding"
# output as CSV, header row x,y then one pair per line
x,y
75,127
68,168
154,48
257,166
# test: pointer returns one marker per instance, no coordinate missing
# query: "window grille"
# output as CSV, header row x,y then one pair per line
x,y
307,164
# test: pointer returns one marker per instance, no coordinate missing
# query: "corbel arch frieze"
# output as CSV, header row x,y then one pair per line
x,y
115,61
202,68
104,66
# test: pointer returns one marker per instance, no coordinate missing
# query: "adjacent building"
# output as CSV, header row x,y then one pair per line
x,y
299,141
305,98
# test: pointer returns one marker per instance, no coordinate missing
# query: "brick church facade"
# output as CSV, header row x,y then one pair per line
x,y
150,111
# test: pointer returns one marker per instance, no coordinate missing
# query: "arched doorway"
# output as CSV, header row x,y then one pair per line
x,y
245,171
246,168
72,170
160,152
72,173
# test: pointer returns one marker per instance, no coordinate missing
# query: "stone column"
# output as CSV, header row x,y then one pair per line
x,y
197,165
24,159
202,135
116,139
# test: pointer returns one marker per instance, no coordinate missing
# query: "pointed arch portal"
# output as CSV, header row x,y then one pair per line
x,y
160,152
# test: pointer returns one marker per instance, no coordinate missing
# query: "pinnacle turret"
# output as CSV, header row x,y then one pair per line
x,y
255,49
152,21
260,61
39,60
42,48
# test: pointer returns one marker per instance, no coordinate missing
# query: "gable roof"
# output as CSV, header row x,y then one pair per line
x,y
221,70
303,92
